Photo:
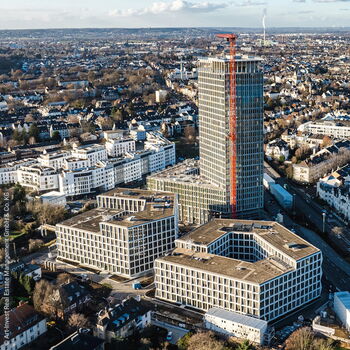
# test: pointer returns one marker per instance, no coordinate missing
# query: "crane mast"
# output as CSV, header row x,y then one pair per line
x,y
231,38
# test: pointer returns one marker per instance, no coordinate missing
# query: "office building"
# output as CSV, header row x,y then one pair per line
x,y
255,268
124,235
211,182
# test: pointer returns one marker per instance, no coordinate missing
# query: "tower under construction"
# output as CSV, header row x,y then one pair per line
x,y
228,180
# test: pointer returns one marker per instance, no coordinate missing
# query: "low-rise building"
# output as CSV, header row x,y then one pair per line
x,y
335,190
71,297
237,325
124,235
54,198
321,163
25,325
339,129
277,149
30,270
123,319
342,308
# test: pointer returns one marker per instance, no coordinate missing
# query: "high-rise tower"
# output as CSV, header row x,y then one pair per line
x,y
214,127
231,154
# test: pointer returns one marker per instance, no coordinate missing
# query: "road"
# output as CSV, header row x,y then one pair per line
x,y
178,332
335,268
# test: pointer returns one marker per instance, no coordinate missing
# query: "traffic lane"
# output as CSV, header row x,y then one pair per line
x,y
339,279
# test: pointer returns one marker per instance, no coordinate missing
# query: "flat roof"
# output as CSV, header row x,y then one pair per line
x,y
90,220
237,318
138,194
157,205
239,58
185,173
272,232
257,272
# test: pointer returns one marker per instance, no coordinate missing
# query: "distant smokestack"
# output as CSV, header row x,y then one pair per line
x,y
264,25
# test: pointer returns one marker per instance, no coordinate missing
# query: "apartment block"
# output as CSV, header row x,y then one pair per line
x,y
127,231
255,268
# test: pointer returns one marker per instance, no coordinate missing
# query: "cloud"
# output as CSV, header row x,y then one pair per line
x,y
252,3
331,0
324,1
162,7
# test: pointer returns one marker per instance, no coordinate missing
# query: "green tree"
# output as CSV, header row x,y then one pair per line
x,y
34,132
56,136
17,136
245,346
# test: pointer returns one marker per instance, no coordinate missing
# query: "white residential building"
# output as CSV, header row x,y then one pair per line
x,y
118,147
254,268
93,153
277,149
335,190
337,129
124,235
342,308
8,171
38,177
73,163
25,325
236,325
53,160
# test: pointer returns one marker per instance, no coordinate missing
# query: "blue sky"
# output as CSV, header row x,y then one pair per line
x,y
16,14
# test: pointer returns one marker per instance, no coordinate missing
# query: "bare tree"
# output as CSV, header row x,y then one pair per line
x,y
78,321
2,254
204,341
35,244
41,295
63,278
302,339
190,133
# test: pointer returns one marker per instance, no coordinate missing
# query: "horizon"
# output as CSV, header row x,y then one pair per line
x,y
174,14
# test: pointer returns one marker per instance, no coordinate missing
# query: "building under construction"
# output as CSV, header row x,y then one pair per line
x,y
228,179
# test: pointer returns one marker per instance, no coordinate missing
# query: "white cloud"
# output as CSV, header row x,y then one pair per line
x,y
162,7
252,3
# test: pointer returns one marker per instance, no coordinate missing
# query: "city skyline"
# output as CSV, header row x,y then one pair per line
x,y
174,13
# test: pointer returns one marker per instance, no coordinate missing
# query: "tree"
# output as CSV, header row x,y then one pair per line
x,y
56,136
78,321
48,213
205,341
34,132
302,339
34,245
245,346
182,343
43,289
190,133
62,278
324,344
2,255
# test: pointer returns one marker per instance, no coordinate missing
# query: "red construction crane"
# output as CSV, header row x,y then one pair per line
x,y
231,38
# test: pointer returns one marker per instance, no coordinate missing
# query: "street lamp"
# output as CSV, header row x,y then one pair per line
x,y
323,222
